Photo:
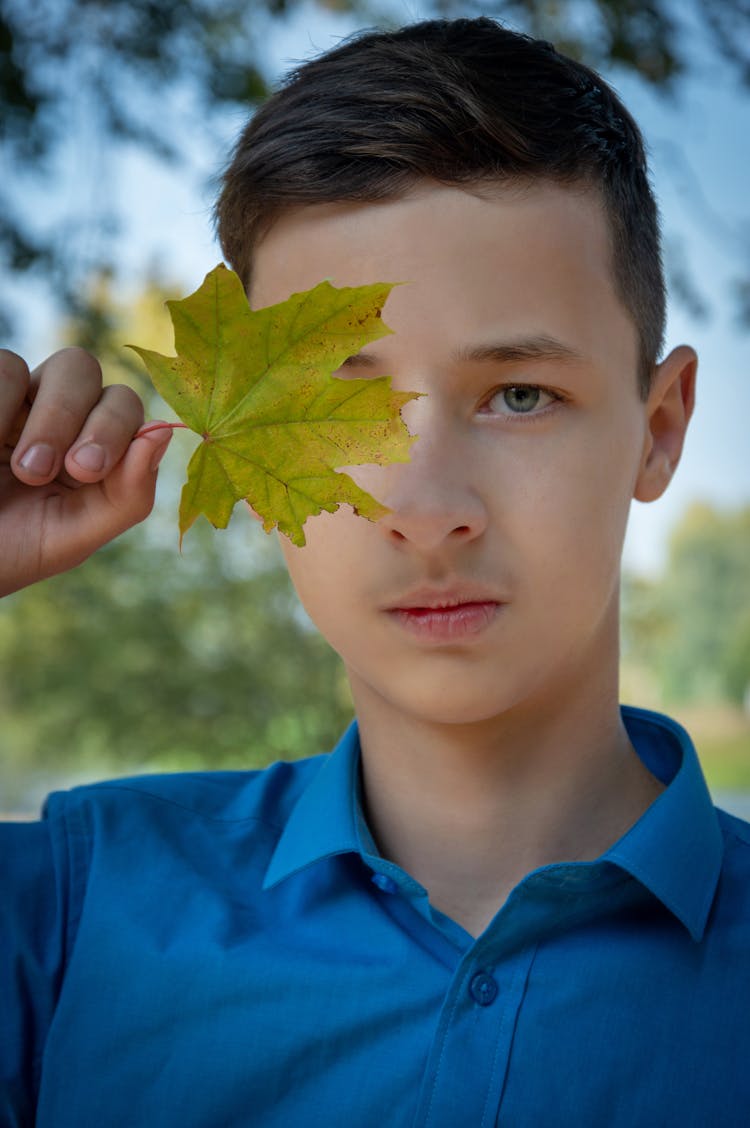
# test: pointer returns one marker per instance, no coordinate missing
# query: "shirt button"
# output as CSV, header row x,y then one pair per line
x,y
483,989
384,882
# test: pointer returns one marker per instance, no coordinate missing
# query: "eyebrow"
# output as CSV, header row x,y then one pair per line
x,y
537,347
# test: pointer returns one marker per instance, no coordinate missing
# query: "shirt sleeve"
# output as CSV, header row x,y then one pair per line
x,y
32,954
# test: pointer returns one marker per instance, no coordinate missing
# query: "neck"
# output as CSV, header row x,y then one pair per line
x,y
469,809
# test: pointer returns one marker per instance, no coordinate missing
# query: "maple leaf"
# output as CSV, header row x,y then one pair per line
x,y
258,387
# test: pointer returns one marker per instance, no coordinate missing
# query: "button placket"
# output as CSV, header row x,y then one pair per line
x,y
483,988
468,1061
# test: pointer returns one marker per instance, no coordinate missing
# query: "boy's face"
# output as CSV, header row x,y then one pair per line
x,y
532,442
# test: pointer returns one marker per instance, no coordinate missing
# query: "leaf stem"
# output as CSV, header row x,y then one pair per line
x,y
149,427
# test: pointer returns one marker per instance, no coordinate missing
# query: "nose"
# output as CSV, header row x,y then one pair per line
x,y
433,499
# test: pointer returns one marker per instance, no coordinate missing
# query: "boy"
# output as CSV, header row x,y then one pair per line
x,y
501,900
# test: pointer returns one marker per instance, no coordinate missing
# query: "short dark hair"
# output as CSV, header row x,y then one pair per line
x,y
456,102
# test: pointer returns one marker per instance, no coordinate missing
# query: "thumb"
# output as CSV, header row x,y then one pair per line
x,y
130,487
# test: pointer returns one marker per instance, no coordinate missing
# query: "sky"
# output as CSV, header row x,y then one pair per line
x,y
700,169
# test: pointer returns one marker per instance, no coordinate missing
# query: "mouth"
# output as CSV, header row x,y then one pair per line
x,y
445,616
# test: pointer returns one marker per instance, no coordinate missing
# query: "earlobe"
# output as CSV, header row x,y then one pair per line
x,y
668,409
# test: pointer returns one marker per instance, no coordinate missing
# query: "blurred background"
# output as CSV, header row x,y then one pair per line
x,y
116,116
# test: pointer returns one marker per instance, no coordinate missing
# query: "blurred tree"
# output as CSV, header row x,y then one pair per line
x,y
135,71
691,627
146,659
736,661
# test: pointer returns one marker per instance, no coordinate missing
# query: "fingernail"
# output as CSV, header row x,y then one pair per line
x,y
90,457
39,460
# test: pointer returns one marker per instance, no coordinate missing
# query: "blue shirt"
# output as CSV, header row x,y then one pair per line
x,y
228,949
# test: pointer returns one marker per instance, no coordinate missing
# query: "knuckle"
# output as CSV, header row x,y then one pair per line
x,y
14,370
73,371
75,357
68,414
68,386
123,405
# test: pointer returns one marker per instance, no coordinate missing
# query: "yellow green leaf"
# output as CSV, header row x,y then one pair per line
x,y
258,387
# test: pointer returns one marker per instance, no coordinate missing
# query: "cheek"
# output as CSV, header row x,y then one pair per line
x,y
321,571
571,506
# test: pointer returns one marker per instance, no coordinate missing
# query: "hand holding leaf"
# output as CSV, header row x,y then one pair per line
x,y
257,386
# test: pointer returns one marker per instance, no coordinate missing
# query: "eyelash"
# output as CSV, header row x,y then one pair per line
x,y
524,416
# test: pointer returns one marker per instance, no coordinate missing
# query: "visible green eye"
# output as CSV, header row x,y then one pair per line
x,y
522,398
519,399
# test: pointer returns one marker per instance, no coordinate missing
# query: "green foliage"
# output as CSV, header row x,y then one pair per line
x,y
144,659
735,660
691,627
725,759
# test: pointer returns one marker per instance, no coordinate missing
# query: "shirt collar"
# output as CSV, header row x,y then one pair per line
x,y
324,820
675,849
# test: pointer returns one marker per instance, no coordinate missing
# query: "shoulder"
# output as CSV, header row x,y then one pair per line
x,y
128,834
91,831
113,853
266,796
174,828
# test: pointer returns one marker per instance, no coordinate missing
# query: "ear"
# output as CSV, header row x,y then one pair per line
x,y
668,409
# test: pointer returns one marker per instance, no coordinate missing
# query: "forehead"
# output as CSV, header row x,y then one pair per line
x,y
488,259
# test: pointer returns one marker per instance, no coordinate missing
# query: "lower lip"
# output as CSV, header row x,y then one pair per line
x,y
447,624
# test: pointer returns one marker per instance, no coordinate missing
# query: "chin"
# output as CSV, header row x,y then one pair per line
x,y
454,708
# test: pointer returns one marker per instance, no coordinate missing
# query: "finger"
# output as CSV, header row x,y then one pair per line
x,y
126,495
105,435
14,383
100,511
64,388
